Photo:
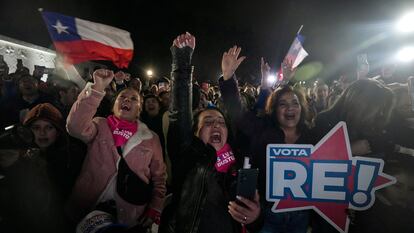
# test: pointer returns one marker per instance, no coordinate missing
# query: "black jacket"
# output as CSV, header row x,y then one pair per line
x,y
200,194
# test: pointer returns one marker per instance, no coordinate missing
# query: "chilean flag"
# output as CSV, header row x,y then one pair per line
x,y
81,40
296,54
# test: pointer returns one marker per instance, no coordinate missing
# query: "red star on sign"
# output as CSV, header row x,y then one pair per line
x,y
364,177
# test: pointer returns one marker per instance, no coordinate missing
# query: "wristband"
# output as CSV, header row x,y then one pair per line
x,y
154,215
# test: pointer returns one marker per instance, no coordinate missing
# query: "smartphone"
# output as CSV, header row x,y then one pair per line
x,y
411,91
246,182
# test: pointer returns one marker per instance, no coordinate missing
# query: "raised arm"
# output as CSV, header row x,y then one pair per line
x,y
180,128
265,87
228,83
244,123
79,123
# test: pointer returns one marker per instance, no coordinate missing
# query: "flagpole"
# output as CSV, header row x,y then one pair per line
x,y
300,29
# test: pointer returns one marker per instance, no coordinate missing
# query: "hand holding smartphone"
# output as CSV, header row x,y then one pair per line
x,y
247,197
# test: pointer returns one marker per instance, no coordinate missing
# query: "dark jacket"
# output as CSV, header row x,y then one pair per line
x,y
155,124
200,194
29,201
36,186
381,142
254,133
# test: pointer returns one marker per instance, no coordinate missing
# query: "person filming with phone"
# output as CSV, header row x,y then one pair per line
x,y
204,164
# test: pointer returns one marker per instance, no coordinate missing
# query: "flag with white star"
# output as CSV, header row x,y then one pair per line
x,y
81,40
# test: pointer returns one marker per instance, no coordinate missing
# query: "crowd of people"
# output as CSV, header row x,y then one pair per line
x,y
117,156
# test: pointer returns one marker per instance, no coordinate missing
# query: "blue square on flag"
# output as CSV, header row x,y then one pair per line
x,y
61,27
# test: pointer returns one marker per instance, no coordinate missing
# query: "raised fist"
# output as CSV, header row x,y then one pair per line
x,y
184,40
102,78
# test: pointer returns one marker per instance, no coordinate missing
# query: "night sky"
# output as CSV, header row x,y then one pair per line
x,y
336,31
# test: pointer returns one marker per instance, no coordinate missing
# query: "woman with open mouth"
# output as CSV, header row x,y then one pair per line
x,y
123,172
283,122
204,165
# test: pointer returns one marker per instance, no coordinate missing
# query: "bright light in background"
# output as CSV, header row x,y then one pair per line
x,y
271,78
405,54
406,23
149,73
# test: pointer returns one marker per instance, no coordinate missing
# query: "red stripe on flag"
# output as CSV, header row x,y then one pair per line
x,y
83,50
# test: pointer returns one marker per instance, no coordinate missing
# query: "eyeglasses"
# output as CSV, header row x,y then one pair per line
x,y
212,122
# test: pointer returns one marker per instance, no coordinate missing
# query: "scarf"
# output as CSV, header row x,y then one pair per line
x,y
225,159
122,130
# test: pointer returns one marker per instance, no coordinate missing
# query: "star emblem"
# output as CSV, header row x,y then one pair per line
x,y
60,27
335,147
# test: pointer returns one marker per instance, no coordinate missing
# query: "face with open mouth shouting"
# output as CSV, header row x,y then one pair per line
x,y
288,110
127,105
212,129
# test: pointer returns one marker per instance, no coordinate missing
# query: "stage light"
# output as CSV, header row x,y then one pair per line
x,y
150,73
271,79
406,54
405,23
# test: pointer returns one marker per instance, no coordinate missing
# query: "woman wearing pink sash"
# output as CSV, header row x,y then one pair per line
x,y
123,174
